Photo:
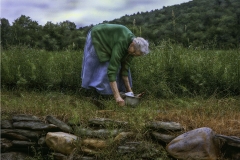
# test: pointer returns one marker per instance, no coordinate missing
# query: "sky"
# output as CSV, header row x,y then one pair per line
x,y
81,12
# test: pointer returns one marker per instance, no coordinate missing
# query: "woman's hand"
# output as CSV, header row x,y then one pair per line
x,y
116,94
120,101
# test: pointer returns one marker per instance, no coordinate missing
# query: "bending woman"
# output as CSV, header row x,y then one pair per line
x,y
108,53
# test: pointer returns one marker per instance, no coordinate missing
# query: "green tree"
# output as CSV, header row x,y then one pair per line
x,y
5,32
25,31
51,36
66,30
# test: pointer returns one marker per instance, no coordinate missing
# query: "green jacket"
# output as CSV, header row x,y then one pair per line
x,y
111,42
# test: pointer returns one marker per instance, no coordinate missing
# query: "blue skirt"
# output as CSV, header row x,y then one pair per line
x,y
94,72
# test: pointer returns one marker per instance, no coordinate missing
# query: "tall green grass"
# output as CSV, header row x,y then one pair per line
x,y
168,71
172,70
38,69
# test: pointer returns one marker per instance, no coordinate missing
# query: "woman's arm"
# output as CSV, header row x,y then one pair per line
x,y
127,84
116,93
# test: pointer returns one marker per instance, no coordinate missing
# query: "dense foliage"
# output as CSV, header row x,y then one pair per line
x,y
198,23
170,70
205,23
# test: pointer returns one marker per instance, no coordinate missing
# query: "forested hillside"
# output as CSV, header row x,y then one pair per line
x,y
198,23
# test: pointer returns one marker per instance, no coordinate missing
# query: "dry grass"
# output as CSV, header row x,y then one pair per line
x,y
222,115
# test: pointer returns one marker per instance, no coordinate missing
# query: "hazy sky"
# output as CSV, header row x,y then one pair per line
x,y
81,12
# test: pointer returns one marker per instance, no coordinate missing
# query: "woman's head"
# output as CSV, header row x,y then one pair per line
x,y
141,45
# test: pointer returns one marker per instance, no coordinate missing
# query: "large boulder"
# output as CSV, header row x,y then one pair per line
x,y
197,144
61,142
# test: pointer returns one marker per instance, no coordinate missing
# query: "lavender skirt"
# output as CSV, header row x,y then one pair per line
x,y
94,72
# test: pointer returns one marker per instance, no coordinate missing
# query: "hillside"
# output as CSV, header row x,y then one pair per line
x,y
208,22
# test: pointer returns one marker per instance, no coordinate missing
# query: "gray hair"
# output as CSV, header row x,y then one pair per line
x,y
141,45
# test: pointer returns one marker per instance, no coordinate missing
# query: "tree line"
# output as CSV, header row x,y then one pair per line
x,y
198,23
25,31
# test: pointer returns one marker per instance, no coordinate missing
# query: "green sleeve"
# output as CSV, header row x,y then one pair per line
x,y
126,65
118,53
119,57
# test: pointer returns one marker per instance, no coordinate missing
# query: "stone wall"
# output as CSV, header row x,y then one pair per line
x,y
28,136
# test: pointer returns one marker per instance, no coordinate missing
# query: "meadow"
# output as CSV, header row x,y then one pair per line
x,y
168,71
192,86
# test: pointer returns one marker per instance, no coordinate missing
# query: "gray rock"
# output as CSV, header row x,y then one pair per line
x,y
34,125
63,126
100,133
6,124
20,134
59,156
197,144
5,144
61,142
163,137
23,143
105,122
231,146
24,117
164,126
13,135
14,156
230,140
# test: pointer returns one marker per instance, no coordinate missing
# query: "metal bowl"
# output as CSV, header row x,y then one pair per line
x,y
132,101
